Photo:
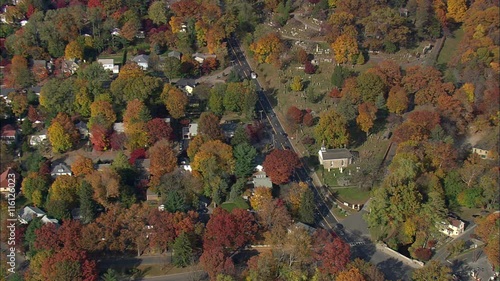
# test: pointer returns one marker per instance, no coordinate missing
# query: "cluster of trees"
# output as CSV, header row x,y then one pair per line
x,y
239,97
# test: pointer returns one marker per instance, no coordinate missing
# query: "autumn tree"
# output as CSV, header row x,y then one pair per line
x,y
309,68
260,196
163,160
175,101
294,114
99,136
106,185
102,113
432,271
369,271
489,229
296,84
397,101
74,50
331,251
19,75
370,86
280,164
157,12
456,10
64,188
417,127
332,129
133,83
301,56
345,48
367,116
35,188
59,139
159,129
135,118
268,49
82,166
209,126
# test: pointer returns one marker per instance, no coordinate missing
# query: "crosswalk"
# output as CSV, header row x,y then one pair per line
x,y
359,243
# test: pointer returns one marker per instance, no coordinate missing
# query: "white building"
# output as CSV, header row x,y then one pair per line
x,y
452,227
142,61
107,64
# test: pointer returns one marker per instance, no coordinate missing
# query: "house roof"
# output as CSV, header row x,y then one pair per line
x,y
3,177
336,153
455,222
60,168
203,56
106,61
262,181
40,63
81,126
186,82
29,213
489,141
119,127
193,128
143,164
141,59
174,54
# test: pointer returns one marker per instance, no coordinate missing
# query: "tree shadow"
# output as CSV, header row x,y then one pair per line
x,y
393,269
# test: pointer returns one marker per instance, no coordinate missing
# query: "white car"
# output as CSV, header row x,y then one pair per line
x,y
253,75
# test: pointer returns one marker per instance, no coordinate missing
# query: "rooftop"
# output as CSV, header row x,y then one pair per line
x,y
336,153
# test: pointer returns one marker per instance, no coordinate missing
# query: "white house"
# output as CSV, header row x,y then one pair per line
x,y
190,132
37,139
119,127
199,57
260,178
60,169
337,158
107,64
186,85
452,227
142,61
82,129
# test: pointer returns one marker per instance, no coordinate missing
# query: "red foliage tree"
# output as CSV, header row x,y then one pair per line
x,y
94,3
294,114
418,127
117,140
280,164
309,68
216,262
332,252
335,93
99,137
423,254
159,129
139,153
33,114
254,131
209,65
308,119
68,264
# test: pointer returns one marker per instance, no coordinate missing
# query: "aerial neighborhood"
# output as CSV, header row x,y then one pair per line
x,y
253,140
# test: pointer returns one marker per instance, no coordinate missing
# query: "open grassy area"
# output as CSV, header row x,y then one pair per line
x,y
353,195
237,203
450,46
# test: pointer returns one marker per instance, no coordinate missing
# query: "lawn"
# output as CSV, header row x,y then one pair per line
x,y
450,46
237,203
353,195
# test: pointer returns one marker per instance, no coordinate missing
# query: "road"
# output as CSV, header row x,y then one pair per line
x,y
443,252
326,218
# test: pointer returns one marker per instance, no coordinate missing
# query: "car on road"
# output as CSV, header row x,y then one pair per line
x,y
253,75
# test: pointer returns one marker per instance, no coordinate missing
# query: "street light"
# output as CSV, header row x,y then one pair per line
x,y
260,114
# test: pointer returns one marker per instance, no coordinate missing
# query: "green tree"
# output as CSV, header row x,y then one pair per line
x,y
172,68
339,74
244,154
30,236
157,12
307,206
87,203
216,99
58,95
240,136
332,129
370,86
182,251
110,275
35,188
175,201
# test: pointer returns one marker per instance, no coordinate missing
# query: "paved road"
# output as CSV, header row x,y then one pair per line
x,y
443,252
186,276
326,219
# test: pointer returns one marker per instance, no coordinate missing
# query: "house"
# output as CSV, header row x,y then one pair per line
x,y
337,158
82,129
142,61
186,85
9,134
75,214
487,148
46,220
39,64
229,128
107,64
102,166
69,67
452,227
299,225
184,164
190,132
119,127
38,138
199,57
115,32
4,93
151,196
9,179
29,213
260,178
174,54
60,169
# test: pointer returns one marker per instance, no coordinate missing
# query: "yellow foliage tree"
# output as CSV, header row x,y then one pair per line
x,y
82,166
296,84
268,49
456,10
367,116
260,196
345,48
175,24
295,193
352,274
64,188
468,89
74,50
59,139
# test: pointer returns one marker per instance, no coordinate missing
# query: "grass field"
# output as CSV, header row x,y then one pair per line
x,y
450,46
353,195
237,203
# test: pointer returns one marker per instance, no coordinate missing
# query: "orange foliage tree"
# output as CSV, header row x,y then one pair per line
x,y
163,160
367,116
175,101
268,49
82,166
